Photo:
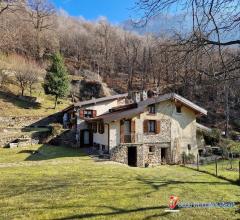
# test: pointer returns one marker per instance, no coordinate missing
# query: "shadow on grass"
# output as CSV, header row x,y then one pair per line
x,y
14,99
234,182
117,211
156,185
47,152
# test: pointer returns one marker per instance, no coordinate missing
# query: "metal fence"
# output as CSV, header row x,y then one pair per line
x,y
227,168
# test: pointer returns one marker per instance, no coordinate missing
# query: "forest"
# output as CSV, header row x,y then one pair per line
x,y
203,64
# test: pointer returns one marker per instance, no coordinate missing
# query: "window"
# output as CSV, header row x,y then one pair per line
x,y
88,114
151,126
179,109
152,109
85,113
151,149
100,128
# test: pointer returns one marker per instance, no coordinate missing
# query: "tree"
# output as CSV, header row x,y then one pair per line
x,y
41,14
131,47
215,30
27,72
56,80
9,5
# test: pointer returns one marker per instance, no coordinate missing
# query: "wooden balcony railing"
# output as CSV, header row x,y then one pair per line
x,y
132,138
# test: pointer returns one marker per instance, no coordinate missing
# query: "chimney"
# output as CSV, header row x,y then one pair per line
x,y
135,96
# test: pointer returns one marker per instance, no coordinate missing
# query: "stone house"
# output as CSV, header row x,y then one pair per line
x,y
150,132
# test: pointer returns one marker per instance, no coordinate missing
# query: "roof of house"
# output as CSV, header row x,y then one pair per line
x,y
175,97
99,100
203,128
94,101
139,108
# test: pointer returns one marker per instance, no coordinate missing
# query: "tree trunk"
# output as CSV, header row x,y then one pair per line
x,y
55,104
22,92
226,102
30,89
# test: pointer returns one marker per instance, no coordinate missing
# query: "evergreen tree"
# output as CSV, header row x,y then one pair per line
x,y
56,80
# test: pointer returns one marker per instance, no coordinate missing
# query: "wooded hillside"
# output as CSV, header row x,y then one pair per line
x,y
204,71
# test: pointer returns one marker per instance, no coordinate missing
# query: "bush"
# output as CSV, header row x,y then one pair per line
x,y
234,135
187,158
56,129
213,137
234,147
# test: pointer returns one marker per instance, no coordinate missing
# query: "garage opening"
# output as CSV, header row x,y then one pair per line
x,y
163,154
132,156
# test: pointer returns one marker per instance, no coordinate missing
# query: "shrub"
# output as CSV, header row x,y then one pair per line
x,y
187,158
234,147
56,129
213,137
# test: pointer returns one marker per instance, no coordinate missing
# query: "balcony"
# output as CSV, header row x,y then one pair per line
x,y
131,138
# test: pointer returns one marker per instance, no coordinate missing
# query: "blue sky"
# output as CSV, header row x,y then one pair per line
x,y
115,10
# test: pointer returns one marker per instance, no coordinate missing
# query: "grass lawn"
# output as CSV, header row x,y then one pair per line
x,y
61,183
223,167
10,105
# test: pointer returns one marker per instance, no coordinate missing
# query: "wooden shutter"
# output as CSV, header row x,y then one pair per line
x,y
145,126
158,127
122,131
132,131
81,114
94,113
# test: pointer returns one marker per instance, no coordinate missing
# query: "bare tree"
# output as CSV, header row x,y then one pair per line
x,y
9,5
27,73
41,14
131,47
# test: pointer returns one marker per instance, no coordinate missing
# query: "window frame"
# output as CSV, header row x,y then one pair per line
x,y
88,113
150,108
152,126
151,149
178,109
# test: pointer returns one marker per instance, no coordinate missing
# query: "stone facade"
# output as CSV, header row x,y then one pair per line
x,y
163,136
145,157
177,135
119,154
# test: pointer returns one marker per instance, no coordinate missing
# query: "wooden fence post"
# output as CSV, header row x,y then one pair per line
x,y
216,167
231,161
239,170
183,159
197,162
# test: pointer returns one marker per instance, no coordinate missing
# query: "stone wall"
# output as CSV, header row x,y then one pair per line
x,y
35,137
24,121
144,157
153,158
163,136
119,154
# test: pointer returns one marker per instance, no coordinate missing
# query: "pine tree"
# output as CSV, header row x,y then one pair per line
x,y
56,80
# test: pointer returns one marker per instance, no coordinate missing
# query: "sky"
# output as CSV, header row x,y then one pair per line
x,y
115,11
